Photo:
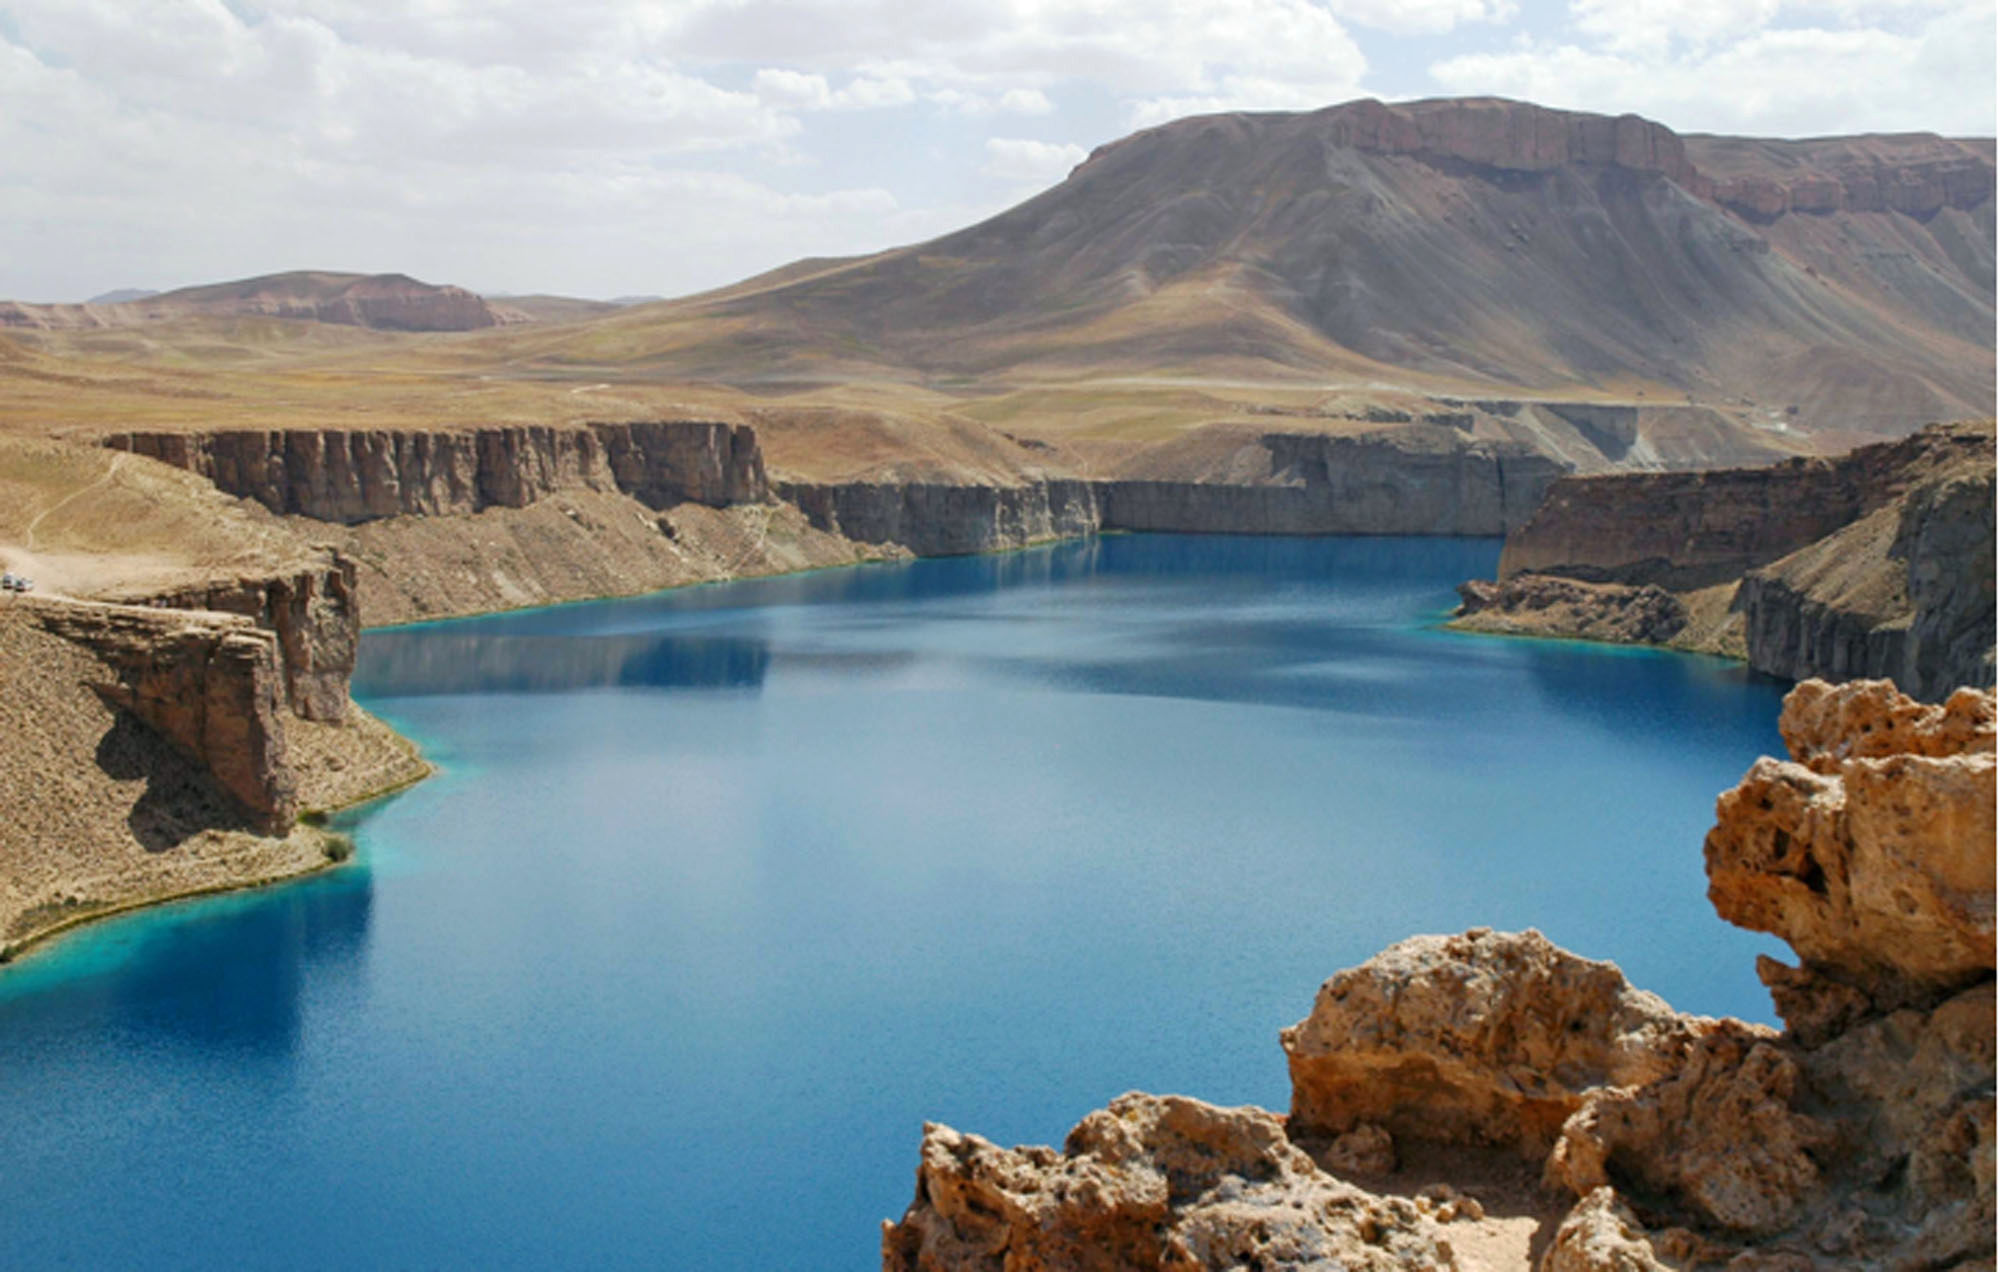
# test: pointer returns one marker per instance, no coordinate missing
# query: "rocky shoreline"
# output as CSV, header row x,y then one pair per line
x,y
1643,1139
1876,564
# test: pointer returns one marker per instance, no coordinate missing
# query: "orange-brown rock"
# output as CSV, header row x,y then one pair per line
x,y
1718,1134
313,612
1871,852
1487,1038
1601,1234
1863,1136
209,683
1152,1182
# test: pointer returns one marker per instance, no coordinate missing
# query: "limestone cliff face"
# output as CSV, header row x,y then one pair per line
x,y
946,519
1861,1136
210,684
1906,594
1372,484
1878,563
1692,529
1419,481
365,474
312,611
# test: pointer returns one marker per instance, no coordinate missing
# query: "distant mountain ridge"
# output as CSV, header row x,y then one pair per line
x,y
385,302
1843,284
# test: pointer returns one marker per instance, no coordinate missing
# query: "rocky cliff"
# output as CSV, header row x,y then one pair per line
x,y
209,683
311,609
1414,479
1861,1135
946,519
1690,529
1877,563
1905,593
365,474
1422,479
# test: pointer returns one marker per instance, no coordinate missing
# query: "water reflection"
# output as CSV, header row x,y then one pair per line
x,y
222,974
400,664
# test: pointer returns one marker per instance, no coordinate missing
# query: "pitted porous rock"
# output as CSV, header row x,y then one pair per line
x,y
1486,1038
1152,1182
1871,853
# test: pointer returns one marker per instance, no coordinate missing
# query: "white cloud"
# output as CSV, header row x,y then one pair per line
x,y
637,145
1827,67
1026,101
1030,163
1422,17
985,51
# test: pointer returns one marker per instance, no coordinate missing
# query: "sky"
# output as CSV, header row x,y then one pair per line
x,y
660,147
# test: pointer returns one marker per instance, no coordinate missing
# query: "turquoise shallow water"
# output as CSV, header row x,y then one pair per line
x,y
723,892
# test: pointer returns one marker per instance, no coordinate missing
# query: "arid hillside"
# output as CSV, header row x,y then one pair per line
x,y
1839,285
387,302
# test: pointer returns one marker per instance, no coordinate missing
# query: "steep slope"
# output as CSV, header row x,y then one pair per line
x,y
1842,285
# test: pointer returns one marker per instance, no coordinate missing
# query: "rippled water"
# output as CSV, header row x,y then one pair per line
x,y
723,892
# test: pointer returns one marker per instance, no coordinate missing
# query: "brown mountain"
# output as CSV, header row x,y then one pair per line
x,y
1842,285
386,302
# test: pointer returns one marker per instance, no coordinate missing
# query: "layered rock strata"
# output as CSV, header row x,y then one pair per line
x,y
1876,564
1422,480
1905,593
208,683
312,610
1862,1135
1690,529
947,519
352,476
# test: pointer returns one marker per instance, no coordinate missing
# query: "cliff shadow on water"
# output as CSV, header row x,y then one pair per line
x,y
226,972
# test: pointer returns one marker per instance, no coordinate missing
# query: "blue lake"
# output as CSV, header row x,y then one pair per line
x,y
721,893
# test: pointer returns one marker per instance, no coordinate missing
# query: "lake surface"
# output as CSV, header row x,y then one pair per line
x,y
723,892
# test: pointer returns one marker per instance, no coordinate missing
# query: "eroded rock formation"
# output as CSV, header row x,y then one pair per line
x,y
1150,1182
1871,851
943,519
351,476
313,612
1876,564
1486,1039
1861,1136
209,683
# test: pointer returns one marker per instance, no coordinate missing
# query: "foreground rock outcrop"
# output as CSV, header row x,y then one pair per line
x,y
1860,1136
1876,564
1150,1182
